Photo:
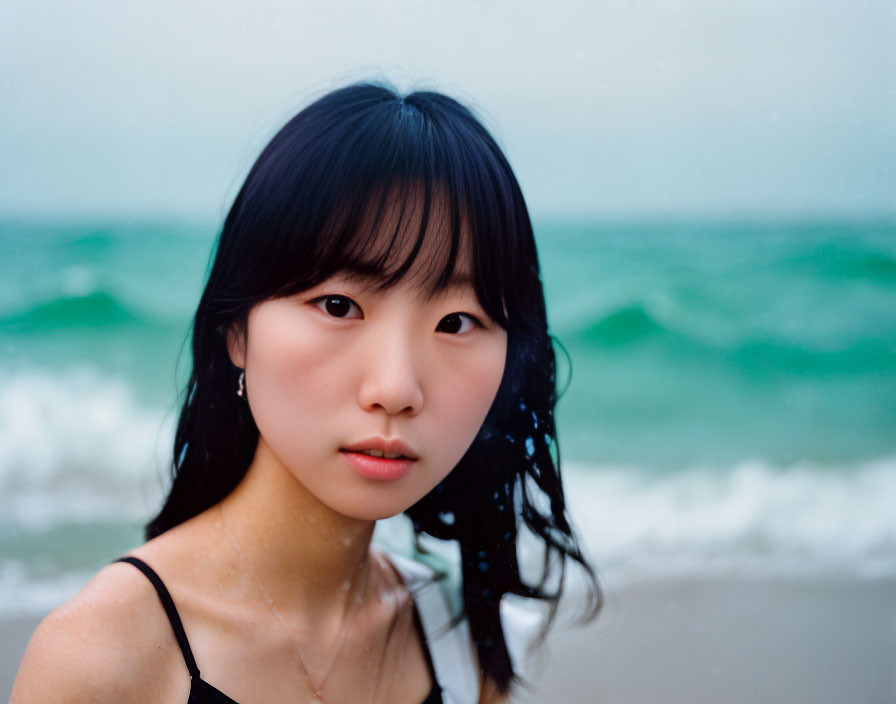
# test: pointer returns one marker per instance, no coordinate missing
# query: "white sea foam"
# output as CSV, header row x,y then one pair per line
x,y
77,445
24,594
752,518
78,448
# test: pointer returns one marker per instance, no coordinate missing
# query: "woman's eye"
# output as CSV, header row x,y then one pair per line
x,y
338,306
457,323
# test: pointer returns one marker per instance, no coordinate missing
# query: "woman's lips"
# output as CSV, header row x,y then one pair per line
x,y
390,446
379,468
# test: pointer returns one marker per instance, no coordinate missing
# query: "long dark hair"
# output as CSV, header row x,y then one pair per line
x,y
295,221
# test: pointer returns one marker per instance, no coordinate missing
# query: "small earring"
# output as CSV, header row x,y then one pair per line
x,y
241,384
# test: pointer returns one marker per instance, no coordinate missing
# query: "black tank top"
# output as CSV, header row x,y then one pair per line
x,y
201,692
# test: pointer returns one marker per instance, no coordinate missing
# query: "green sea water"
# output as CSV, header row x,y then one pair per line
x,y
687,343
730,392
712,342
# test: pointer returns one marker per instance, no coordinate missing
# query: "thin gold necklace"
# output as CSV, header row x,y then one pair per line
x,y
246,565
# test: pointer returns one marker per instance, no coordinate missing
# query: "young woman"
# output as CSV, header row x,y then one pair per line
x,y
372,340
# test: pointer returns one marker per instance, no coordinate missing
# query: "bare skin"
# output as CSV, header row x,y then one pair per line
x,y
113,642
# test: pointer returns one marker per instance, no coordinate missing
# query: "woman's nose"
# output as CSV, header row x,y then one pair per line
x,y
391,378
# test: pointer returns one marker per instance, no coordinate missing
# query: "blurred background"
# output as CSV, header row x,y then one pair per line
x,y
713,187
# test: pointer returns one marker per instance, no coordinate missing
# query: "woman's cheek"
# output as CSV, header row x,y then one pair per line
x,y
289,366
472,390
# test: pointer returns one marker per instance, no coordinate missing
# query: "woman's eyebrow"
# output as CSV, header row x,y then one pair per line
x,y
459,279
359,270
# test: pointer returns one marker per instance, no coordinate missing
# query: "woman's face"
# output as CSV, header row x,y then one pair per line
x,y
343,372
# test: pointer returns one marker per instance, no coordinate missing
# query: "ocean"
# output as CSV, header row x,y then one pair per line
x,y
729,403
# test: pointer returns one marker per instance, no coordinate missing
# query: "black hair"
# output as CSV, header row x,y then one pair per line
x,y
353,154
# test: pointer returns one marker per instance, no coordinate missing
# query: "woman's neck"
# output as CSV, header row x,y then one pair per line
x,y
307,556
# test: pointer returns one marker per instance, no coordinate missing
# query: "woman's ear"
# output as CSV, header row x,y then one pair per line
x,y
236,345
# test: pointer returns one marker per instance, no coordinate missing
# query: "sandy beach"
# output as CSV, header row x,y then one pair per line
x,y
14,635
695,641
732,640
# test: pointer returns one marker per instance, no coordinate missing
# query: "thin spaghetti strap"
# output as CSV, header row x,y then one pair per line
x,y
425,643
173,616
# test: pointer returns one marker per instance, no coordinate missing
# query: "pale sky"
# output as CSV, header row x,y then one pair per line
x,y
605,109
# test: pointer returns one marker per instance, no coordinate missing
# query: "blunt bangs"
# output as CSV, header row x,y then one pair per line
x,y
368,182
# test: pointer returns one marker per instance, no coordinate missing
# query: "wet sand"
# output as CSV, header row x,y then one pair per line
x,y
729,641
14,635
698,641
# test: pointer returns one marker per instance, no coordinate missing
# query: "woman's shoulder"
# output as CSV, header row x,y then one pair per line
x,y
111,642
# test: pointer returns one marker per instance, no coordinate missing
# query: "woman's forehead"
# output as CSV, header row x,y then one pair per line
x,y
413,240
